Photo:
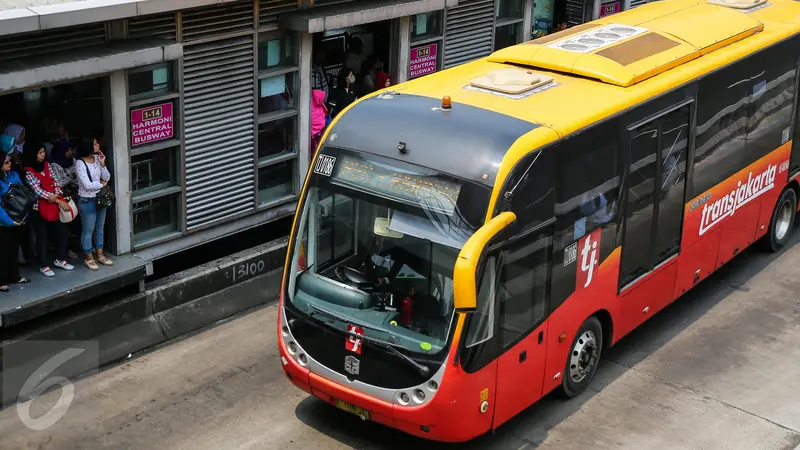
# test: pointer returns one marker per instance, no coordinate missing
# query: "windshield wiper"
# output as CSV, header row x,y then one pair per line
x,y
422,369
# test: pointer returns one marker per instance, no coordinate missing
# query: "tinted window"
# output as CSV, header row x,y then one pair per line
x,y
641,183
587,197
534,194
743,113
672,182
522,285
769,114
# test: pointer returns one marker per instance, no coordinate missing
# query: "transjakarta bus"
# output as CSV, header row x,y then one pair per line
x,y
472,240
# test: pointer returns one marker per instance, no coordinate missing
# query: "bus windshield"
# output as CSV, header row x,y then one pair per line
x,y
376,246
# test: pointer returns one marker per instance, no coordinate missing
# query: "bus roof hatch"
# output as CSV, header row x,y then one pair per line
x,y
635,47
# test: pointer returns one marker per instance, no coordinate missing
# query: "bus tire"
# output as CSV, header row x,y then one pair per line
x,y
583,358
782,222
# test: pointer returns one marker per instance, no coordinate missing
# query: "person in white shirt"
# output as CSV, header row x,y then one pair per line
x,y
92,175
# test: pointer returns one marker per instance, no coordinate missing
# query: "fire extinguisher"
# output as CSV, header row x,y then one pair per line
x,y
407,309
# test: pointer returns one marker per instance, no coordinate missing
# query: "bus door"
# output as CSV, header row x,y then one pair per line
x,y
522,291
653,207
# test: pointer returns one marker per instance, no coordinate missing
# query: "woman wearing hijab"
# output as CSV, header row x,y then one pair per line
x,y
18,133
382,80
46,185
342,95
9,231
63,166
319,119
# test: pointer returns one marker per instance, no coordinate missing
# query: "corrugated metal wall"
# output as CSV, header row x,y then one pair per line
x,y
219,76
51,41
470,31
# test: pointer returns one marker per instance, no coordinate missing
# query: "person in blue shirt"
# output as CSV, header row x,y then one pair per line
x,y
9,231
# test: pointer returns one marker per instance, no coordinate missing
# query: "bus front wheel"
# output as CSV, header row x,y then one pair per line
x,y
583,358
782,222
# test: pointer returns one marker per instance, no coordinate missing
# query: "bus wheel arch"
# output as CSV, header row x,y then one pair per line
x,y
782,220
583,358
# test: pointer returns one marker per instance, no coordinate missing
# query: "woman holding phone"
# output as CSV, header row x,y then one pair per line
x,y
92,175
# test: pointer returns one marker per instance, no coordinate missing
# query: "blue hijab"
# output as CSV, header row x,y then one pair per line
x,y
59,153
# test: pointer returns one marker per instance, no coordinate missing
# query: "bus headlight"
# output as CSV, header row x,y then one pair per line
x,y
292,348
419,395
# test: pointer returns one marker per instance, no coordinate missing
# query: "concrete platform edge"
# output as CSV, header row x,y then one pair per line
x,y
168,309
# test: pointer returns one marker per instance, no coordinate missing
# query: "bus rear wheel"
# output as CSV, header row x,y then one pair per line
x,y
583,358
782,222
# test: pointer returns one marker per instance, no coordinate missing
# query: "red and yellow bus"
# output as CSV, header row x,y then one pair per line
x,y
472,240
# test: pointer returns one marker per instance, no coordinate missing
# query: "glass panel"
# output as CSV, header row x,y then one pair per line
x,y
156,81
507,35
155,218
674,144
276,51
276,137
523,286
510,9
275,181
426,25
636,260
276,93
153,171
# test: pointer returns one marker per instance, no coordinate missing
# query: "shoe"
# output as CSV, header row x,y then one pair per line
x,y
72,255
48,272
105,261
91,265
63,265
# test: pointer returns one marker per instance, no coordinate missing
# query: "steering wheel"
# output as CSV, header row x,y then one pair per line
x,y
352,277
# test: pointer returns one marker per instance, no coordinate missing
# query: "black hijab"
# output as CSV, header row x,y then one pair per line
x,y
30,155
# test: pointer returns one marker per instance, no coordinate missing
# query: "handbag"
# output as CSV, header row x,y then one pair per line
x,y
68,216
105,197
18,201
48,211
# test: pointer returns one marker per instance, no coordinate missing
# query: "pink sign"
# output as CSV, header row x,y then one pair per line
x,y
607,9
423,61
152,124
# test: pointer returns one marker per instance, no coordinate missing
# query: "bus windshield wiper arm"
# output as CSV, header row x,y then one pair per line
x,y
422,369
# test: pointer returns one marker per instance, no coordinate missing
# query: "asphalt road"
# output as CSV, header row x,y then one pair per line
x,y
716,370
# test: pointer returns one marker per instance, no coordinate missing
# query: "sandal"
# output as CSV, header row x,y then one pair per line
x,y
23,280
4,288
91,265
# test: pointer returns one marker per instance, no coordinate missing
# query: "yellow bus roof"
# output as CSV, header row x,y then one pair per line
x,y
590,86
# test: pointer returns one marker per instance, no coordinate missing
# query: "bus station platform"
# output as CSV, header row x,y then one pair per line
x,y
43,295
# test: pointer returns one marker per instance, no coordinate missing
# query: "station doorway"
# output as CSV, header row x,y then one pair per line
x,y
358,47
69,111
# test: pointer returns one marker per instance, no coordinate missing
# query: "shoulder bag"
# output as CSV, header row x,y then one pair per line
x,y
18,201
105,197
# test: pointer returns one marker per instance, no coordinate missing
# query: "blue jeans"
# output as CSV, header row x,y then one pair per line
x,y
93,220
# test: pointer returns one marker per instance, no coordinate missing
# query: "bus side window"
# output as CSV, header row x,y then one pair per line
x,y
587,198
534,198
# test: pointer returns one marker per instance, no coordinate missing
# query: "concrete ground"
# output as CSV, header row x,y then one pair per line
x,y
718,369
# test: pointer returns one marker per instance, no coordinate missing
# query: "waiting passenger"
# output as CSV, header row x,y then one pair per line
x,y
319,119
44,218
63,166
9,231
369,75
92,176
352,58
342,95
382,80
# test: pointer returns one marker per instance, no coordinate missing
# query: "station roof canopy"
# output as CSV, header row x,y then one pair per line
x,y
69,65
342,15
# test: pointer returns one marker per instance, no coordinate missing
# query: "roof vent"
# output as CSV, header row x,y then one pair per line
x,y
511,81
598,38
738,4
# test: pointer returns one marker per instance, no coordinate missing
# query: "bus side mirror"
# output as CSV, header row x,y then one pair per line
x,y
464,275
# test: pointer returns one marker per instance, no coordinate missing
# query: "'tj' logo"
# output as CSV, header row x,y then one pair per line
x,y
589,247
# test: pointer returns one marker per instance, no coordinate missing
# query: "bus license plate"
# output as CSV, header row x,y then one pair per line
x,y
352,409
